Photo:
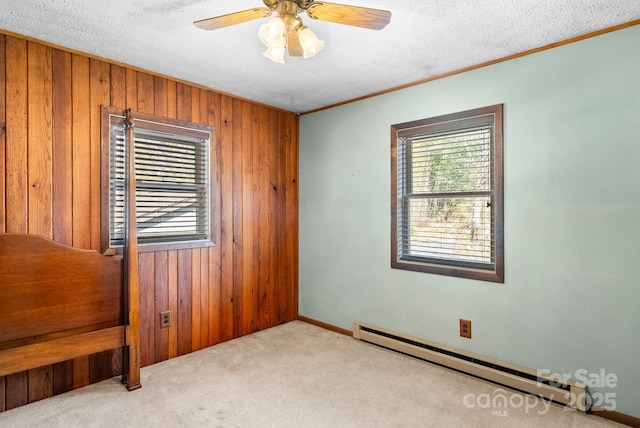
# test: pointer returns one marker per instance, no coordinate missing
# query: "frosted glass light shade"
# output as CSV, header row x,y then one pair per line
x,y
275,54
311,45
278,33
273,33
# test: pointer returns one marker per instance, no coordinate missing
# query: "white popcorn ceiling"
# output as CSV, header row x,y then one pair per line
x,y
425,38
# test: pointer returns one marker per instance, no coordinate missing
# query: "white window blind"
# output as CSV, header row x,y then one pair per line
x,y
446,202
448,194
172,183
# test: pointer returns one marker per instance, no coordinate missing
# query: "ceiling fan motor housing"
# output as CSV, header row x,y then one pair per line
x,y
287,8
301,4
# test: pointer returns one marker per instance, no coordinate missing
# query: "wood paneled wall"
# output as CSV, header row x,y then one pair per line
x,y
50,185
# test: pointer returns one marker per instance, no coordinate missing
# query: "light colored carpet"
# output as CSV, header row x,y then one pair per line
x,y
296,375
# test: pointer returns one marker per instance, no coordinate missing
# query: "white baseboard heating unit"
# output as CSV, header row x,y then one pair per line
x,y
560,390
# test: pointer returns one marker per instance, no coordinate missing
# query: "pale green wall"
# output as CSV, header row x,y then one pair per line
x,y
571,298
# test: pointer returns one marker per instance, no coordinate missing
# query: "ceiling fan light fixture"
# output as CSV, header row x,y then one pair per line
x,y
275,54
273,33
311,45
285,30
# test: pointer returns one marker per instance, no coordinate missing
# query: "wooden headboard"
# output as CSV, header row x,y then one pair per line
x,y
58,303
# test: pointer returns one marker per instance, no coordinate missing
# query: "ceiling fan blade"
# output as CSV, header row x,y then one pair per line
x,y
232,18
374,19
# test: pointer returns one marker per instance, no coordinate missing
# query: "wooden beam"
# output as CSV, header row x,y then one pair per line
x,y
132,370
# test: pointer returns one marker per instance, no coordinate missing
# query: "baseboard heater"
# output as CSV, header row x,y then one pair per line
x,y
560,390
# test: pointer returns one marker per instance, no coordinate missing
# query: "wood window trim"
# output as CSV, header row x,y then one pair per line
x,y
403,129
214,180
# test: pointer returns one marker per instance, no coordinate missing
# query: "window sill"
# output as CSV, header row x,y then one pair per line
x,y
460,272
163,246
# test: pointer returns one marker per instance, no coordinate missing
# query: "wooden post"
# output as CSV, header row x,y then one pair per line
x,y
131,362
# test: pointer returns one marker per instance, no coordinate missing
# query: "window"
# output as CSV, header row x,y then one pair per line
x,y
447,195
173,182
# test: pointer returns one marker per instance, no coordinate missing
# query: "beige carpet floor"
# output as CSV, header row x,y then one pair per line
x,y
296,375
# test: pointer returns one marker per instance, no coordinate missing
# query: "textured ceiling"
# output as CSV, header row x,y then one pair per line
x,y
424,39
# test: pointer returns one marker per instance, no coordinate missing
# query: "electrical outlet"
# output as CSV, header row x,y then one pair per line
x,y
465,328
165,319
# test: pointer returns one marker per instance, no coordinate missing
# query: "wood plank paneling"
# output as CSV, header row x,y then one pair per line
x,y
277,216
172,291
17,387
50,185
226,220
99,366
118,87
238,295
172,99
146,94
146,267
81,131
215,120
99,95
160,96
195,298
250,296
16,136
39,153
62,377
3,123
81,376
131,89
280,195
161,304
40,383
261,204
184,302
2,394
62,148
195,105
204,297
183,102
291,215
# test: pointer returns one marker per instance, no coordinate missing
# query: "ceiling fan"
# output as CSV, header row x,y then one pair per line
x,y
285,31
